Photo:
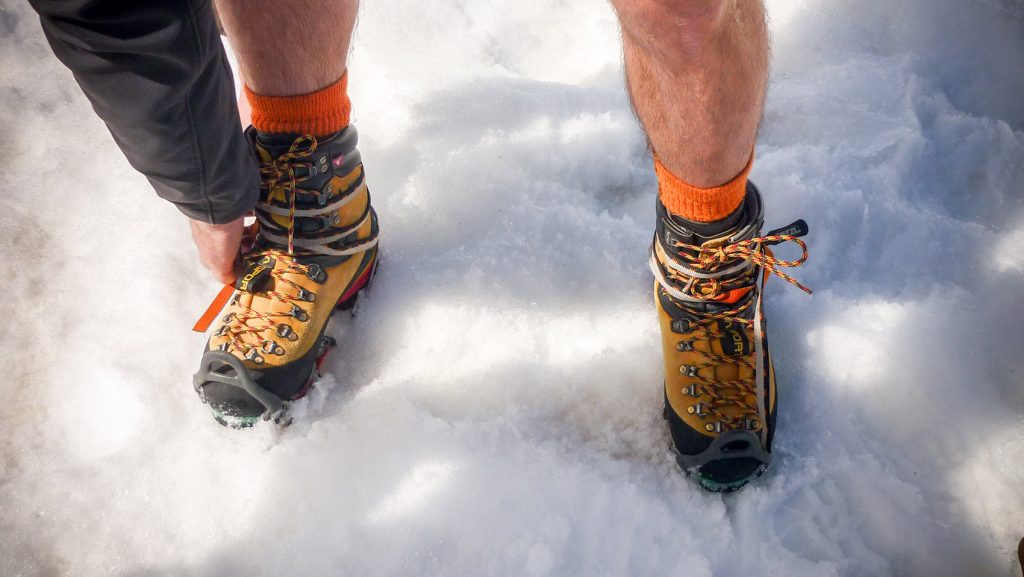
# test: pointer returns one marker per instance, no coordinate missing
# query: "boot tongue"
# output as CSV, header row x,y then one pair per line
x,y
272,145
276,143
312,189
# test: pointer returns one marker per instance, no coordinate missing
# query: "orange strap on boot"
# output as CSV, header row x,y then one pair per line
x,y
204,322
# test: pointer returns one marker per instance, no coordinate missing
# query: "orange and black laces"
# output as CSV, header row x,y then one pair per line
x,y
712,325
245,328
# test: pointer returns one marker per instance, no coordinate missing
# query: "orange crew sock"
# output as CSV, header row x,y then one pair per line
x,y
700,204
319,113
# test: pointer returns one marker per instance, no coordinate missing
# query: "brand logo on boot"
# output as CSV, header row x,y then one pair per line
x,y
734,339
256,275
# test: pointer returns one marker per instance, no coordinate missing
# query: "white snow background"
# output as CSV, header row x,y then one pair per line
x,y
494,408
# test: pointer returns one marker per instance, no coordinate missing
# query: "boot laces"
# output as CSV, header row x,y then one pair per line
x,y
738,392
244,329
710,259
279,175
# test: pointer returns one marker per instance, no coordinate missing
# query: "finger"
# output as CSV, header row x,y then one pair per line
x,y
225,278
218,247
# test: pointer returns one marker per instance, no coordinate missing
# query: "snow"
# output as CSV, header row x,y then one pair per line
x,y
495,406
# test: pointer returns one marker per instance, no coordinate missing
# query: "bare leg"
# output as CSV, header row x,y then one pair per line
x,y
284,48
697,72
292,47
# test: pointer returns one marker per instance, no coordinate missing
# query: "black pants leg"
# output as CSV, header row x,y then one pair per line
x,y
156,73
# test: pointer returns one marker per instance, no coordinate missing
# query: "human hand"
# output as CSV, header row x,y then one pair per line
x,y
219,247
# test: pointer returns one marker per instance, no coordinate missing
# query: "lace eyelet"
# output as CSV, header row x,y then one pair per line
x,y
299,314
681,326
700,409
684,346
306,295
285,331
716,427
254,356
316,273
689,371
325,193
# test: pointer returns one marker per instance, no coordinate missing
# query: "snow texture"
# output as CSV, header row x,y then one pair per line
x,y
495,406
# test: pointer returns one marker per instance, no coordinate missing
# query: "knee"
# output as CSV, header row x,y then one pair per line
x,y
689,24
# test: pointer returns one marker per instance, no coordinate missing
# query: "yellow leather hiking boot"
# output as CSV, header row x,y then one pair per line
x,y
315,251
720,399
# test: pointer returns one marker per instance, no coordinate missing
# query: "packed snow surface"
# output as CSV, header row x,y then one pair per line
x,y
494,408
